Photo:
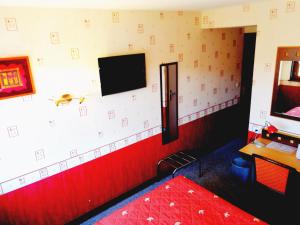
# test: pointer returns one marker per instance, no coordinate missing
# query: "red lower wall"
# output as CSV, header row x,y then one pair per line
x,y
65,196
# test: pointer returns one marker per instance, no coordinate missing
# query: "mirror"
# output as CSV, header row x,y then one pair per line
x,y
169,101
286,89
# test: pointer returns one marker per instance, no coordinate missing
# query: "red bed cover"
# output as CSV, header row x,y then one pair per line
x,y
180,201
294,112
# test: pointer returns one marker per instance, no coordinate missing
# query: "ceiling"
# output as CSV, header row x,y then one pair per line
x,y
127,4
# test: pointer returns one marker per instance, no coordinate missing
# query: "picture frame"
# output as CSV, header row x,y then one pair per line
x,y
15,77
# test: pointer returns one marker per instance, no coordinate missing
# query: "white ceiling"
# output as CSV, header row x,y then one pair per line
x,y
127,4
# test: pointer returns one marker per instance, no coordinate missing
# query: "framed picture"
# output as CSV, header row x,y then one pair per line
x,y
15,77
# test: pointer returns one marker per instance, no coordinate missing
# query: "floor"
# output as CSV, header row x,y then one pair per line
x,y
217,178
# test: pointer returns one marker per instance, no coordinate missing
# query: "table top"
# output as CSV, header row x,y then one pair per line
x,y
288,159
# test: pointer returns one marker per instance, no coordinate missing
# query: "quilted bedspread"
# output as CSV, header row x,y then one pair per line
x,y
294,112
180,201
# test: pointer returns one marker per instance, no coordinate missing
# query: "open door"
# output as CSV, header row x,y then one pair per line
x,y
246,83
169,101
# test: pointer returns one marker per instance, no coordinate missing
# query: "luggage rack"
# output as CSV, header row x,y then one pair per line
x,y
176,162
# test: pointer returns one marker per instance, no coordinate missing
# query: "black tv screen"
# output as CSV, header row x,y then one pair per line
x,y
122,73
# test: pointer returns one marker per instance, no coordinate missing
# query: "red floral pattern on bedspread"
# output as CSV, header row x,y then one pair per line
x,y
180,201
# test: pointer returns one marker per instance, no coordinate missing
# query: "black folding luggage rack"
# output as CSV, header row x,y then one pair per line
x,y
175,162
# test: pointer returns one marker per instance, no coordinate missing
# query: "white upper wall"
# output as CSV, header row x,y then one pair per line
x,y
40,139
276,22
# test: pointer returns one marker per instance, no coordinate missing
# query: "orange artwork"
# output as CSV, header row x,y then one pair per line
x,y
15,77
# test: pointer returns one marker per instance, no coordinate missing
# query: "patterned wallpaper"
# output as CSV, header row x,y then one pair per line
x,y
275,20
39,139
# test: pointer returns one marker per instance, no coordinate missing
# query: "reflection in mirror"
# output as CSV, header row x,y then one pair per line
x,y
289,73
287,99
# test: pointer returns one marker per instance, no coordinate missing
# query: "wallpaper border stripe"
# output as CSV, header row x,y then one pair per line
x,y
61,166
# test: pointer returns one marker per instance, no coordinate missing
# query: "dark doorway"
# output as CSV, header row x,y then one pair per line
x,y
246,82
169,101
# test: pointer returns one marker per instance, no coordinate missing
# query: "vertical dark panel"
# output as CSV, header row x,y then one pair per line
x,y
246,82
173,102
169,101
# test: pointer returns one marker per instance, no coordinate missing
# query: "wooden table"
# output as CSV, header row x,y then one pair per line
x,y
288,159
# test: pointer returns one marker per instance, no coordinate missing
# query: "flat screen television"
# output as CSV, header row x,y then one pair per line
x,y
122,73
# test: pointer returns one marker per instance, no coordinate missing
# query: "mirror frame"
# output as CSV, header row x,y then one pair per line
x,y
283,54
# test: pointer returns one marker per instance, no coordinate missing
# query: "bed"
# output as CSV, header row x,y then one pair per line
x,y
180,201
294,112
